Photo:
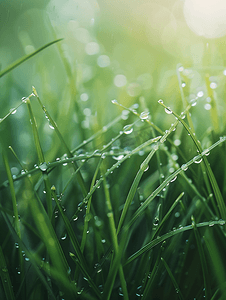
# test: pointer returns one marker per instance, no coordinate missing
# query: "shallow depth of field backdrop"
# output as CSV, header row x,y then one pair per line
x,y
115,61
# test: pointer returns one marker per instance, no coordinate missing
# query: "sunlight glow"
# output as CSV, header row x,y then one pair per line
x,y
206,17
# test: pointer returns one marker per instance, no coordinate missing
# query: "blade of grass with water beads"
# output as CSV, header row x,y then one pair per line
x,y
86,220
168,235
114,268
15,210
177,289
156,268
167,215
11,112
217,262
42,163
212,179
113,233
133,189
78,258
26,57
205,272
54,125
6,281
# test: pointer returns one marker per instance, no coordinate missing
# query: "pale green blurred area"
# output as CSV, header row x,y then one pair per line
x,y
124,50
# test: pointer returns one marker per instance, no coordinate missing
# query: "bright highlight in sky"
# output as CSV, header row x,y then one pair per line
x,y
206,17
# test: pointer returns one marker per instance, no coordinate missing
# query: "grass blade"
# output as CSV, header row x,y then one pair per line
x,y
177,289
168,235
207,285
26,57
6,281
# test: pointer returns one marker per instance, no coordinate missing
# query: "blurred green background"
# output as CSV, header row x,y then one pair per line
x,y
124,50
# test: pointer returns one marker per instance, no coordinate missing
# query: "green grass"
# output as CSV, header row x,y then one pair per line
x,y
133,210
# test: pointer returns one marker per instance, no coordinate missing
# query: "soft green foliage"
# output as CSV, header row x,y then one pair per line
x,y
126,207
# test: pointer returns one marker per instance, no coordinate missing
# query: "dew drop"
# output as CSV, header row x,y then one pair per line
x,y
24,99
200,94
64,237
183,84
168,110
118,157
213,85
128,129
184,167
13,111
197,159
177,142
211,223
174,179
144,115
43,167
114,101
160,101
207,106
181,69
221,222
146,169
51,126
206,152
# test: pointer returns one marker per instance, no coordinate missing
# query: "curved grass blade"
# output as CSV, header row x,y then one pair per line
x,y
178,291
26,57
78,258
54,125
168,235
207,284
217,262
6,281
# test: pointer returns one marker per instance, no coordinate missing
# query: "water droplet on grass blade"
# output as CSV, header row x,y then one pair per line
x,y
213,85
221,222
64,237
211,223
197,159
128,129
118,157
12,111
184,167
114,101
173,179
200,94
43,167
168,110
144,115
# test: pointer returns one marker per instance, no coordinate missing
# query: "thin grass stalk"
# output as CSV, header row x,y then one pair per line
x,y
26,57
6,281
86,220
217,262
177,289
42,163
53,123
205,272
114,236
165,236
